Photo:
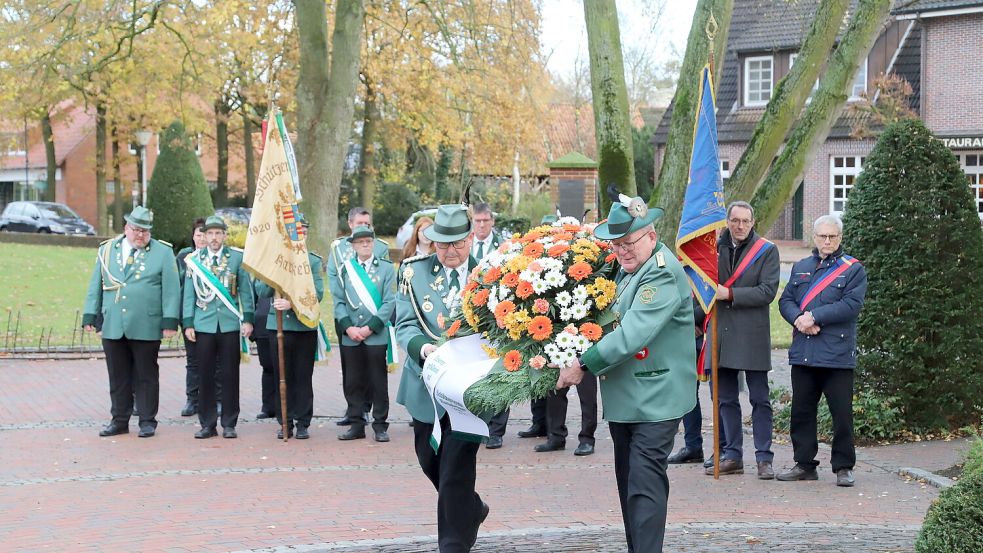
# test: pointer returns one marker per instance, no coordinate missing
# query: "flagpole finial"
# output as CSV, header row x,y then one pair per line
x,y
712,27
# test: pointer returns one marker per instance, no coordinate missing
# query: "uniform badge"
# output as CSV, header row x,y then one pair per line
x,y
408,273
647,294
427,306
642,354
660,259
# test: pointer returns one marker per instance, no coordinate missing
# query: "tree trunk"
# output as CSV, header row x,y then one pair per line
x,y
220,197
612,120
779,186
51,163
367,171
516,183
117,187
787,101
670,187
102,223
249,154
325,105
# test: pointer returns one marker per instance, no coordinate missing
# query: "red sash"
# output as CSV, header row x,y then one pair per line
x,y
843,263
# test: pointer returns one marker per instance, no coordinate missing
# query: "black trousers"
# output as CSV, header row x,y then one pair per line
x,y
133,367
191,370
368,382
538,408
218,362
339,332
497,424
298,359
267,360
808,384
556,411
641,450
452,470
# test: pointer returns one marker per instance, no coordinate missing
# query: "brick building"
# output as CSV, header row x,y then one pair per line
x,y
935,45
73,128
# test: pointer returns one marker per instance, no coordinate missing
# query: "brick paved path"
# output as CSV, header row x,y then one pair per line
x,y
63,488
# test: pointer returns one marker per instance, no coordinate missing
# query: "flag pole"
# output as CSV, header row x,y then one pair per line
x,y
711,31
283,376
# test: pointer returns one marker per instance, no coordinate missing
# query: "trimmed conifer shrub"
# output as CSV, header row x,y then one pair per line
x,y
954,523
912,222
177,192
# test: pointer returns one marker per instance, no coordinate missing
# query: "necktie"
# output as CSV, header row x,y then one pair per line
x,y
214,263
455,283
481,251
130,261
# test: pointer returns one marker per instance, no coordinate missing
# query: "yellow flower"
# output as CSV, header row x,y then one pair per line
x,y
516,323
518,264
492,354
603,291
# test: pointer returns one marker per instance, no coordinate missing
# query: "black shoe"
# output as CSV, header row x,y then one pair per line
x,y
229,433
354,433
686,455
113,429
345,421
279,433
146,432
844,478
708,463
382,436
584,449
533,431
482,515
265,415
727,466
494,442
205,433
190,408
798,473
302,433
550,446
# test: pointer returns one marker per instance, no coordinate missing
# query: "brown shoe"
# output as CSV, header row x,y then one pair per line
x,y
765,471
728,466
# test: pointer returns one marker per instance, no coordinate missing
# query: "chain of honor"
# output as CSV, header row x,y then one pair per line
x,y
203,292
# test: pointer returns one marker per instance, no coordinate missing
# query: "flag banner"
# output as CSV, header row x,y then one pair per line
x,y
275,251
703,207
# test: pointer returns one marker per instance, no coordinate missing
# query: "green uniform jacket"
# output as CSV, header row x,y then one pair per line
x,y
140,302
647,364
290,321
420,301
215,316
349,310
341,252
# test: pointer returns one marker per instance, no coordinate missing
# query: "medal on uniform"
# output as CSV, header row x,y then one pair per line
x,y
427,305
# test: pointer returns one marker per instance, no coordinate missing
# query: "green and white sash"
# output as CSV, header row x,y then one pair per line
x,y
202,275
368,294
323,345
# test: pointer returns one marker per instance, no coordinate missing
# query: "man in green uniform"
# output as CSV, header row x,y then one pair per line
x,y
135,287
191,362
363,312
218,309
646,366
299,349
341,252
431,290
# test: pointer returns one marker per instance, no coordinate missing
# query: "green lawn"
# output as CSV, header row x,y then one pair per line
x,y
781,331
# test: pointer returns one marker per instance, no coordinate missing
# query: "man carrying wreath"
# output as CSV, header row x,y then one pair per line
x,y
646,366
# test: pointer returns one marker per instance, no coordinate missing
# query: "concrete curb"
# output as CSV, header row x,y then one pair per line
x,y
940,482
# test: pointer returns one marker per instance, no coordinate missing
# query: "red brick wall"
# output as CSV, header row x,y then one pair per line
x,y
952,62
589,176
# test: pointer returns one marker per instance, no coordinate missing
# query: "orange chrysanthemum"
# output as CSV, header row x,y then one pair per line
x,y
534,249
471,285
510,280
492,275
481,297
579,271
558,250
512,361
524,290
563,236
591,331
531,236
540,328
504,309
571,228
455,326
611,257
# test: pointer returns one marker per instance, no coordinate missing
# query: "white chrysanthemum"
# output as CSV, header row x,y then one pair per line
x,y
528,275
555,279
563,299
503,293
551,349
581,344
565,340
580,294
566,313
514,247
567,221
492,303
579,310
539,286
551,264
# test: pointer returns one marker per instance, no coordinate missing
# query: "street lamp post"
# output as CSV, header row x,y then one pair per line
x,y
143,138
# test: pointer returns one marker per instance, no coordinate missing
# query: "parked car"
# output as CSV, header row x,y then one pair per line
x,y
235,215
406,231
43,217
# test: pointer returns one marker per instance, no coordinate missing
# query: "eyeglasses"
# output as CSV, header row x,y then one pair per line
x,y
625,246
829,237
457,244
138,230
741,222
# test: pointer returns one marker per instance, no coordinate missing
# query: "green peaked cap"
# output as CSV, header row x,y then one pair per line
x,y
140,217
450,224
625,219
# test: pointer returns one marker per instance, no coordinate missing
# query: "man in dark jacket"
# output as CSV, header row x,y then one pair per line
x,y
822,301
748,269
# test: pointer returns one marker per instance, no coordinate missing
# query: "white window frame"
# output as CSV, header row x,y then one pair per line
x,y
724,169
747,82
853,85
815,87
974,176
849,175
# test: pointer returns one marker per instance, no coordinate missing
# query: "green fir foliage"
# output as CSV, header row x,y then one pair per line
x,y
954,523
912,223
177,192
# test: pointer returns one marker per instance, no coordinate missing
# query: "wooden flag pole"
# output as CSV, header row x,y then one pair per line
x,y
714,362
283,376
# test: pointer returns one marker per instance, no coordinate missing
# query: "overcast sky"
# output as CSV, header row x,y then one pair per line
x,y
564,34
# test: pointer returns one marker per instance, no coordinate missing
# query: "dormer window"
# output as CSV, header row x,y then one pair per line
x,y
859,86
794,56
758,80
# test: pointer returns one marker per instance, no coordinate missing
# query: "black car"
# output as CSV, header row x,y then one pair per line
x,y
44,217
